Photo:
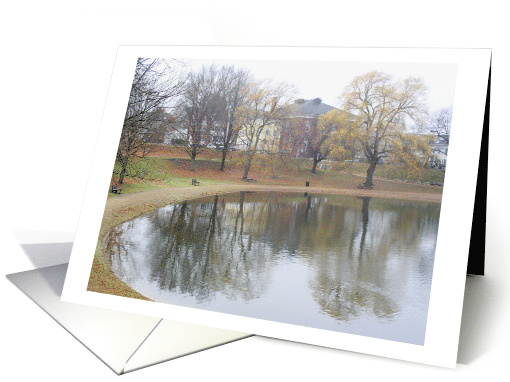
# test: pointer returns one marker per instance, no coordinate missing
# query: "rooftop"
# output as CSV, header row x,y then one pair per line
x,y
311,106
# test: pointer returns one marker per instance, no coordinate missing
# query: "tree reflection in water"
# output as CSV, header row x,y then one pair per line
x,y
345,300
361,257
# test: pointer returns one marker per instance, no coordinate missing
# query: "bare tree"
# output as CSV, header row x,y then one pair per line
x,y
156,84
440,124
209,110
232,84
198,111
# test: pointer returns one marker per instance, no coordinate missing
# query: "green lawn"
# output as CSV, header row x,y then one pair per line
x,y
152,173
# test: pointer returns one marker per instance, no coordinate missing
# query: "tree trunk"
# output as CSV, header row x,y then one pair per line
x,y
192,165
252,151
315,161
247,166
370,174
122,173
275,175
223,157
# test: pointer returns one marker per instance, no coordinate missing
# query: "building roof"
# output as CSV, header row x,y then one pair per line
x,y
311,106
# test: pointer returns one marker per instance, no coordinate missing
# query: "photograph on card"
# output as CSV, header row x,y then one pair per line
x,y
301,192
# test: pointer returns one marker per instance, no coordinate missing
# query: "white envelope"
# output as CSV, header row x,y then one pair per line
x,y
123,341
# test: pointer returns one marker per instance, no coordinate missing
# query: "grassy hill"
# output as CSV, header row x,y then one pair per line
x,y
168,166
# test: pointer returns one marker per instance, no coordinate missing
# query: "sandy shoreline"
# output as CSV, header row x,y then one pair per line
x,y
122,208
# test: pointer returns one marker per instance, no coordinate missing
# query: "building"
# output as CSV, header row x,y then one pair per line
x,y
439,151
301,125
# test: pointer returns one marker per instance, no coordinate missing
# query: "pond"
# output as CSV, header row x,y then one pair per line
x,y
356,265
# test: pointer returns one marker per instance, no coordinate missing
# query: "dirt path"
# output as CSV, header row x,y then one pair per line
x,y
121,208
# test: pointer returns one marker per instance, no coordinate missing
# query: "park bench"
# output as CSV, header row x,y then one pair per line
x,y
194,182
250,180
362,186
116,189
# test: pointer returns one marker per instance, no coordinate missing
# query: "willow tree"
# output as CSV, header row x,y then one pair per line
x,y
385,117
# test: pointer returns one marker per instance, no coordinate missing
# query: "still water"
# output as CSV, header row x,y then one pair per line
x,y
355,265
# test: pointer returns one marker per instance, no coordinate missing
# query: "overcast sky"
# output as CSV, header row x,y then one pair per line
x,y
328,79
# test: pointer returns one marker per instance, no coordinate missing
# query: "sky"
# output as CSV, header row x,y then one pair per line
x,y
328,79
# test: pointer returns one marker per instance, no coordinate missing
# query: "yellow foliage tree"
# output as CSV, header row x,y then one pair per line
x,y
378,115
318,140
264,108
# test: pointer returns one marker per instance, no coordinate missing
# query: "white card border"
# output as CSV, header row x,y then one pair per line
x,y
445,308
